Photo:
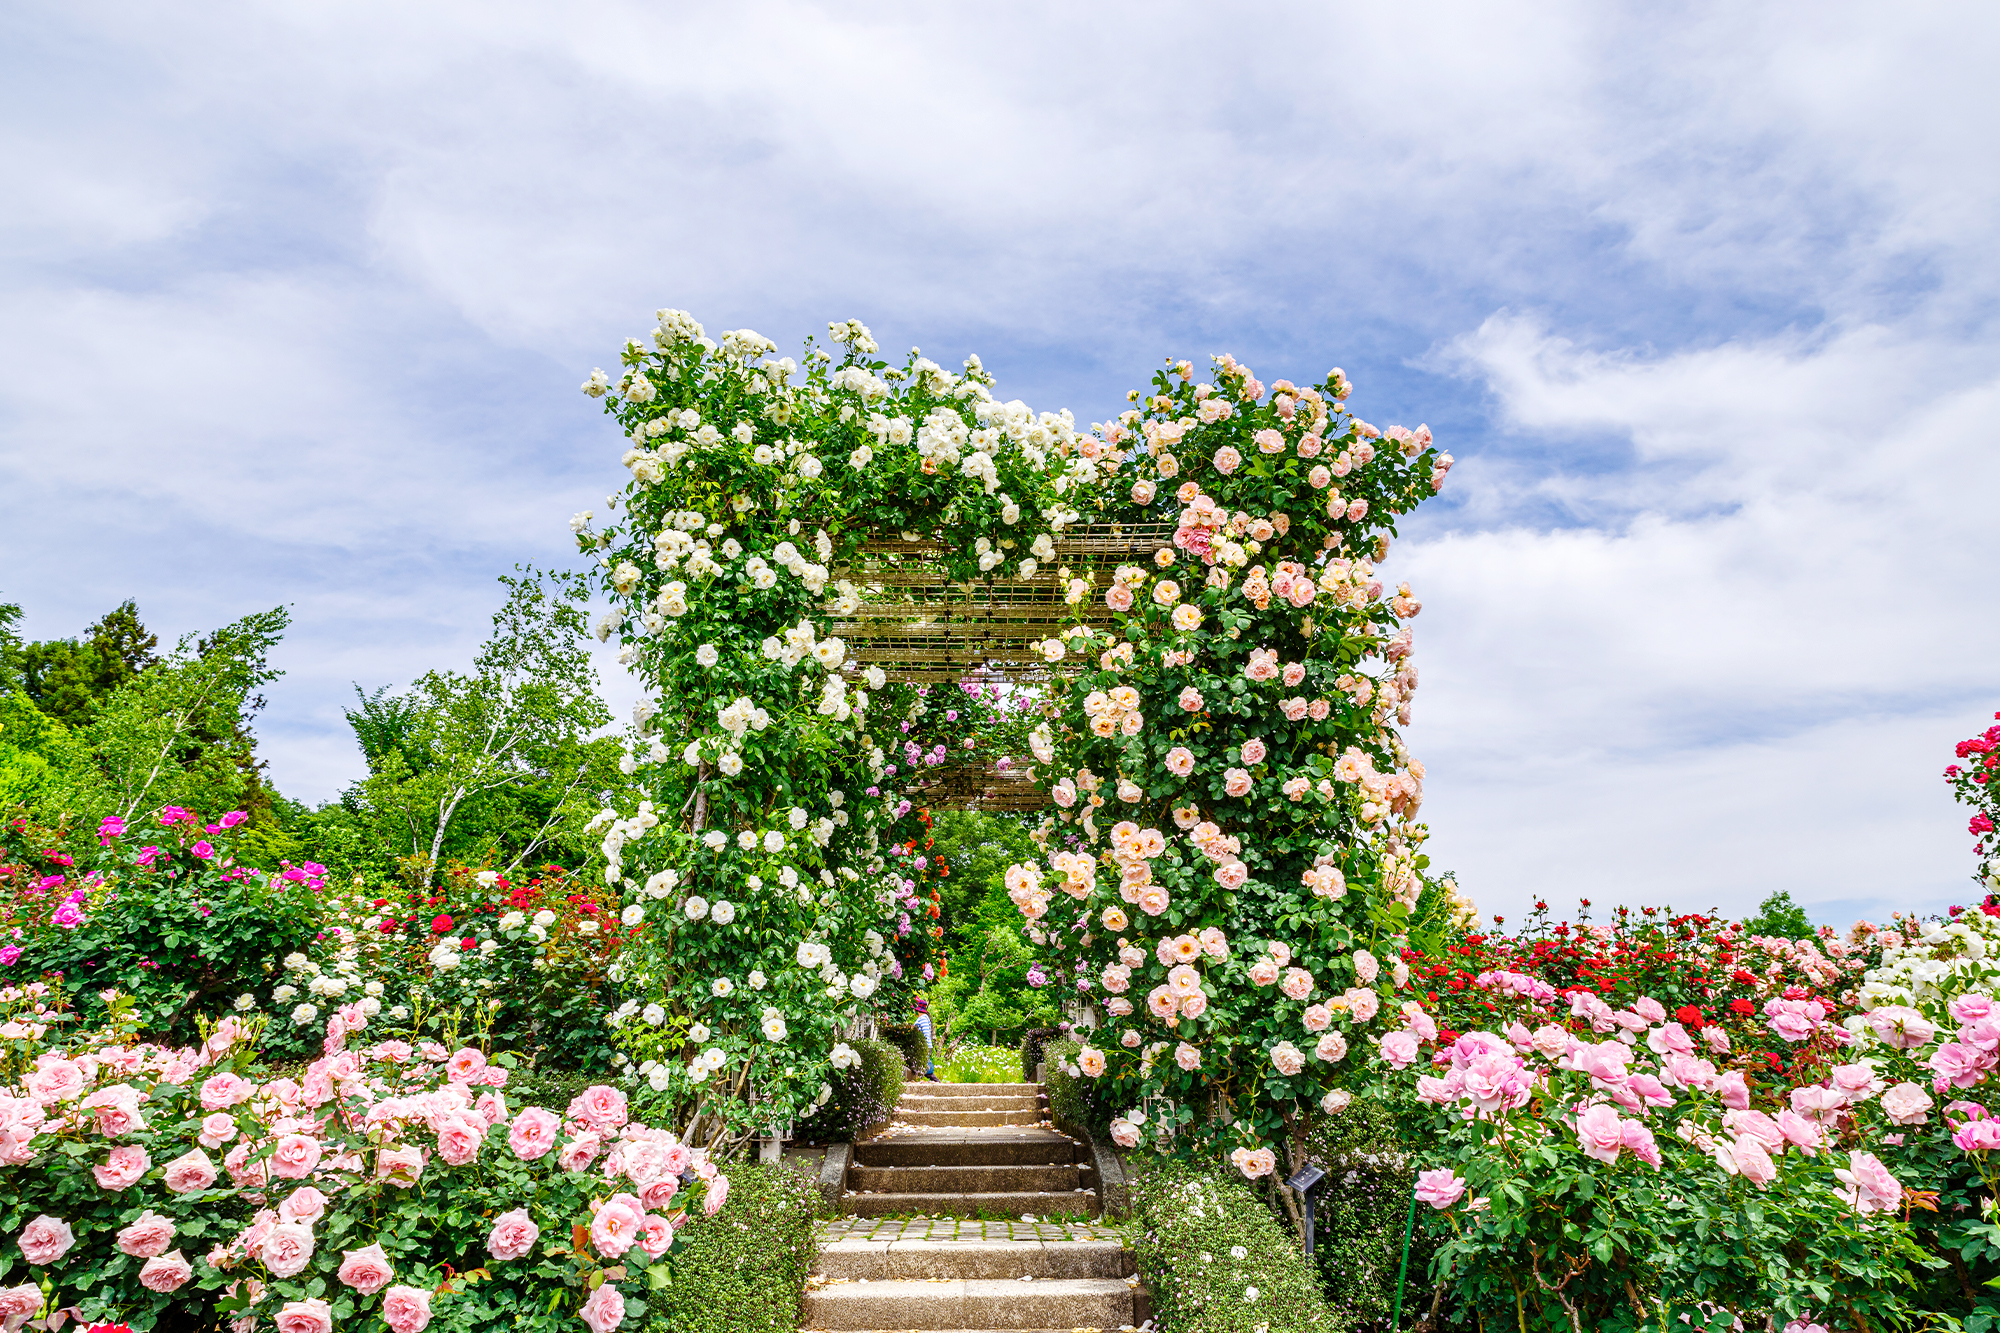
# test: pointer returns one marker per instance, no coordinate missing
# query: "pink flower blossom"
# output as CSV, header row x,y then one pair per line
x,y
1440,1188
1600,1133
1753,1160
295,1156
122,1167
45,1240
717,1193
603,1312
1254,1162
1190,699
367,1270
307,1316
147,1236
533,1133
1870,1187
1180,761
225,1090
1298,983
599,1106
189,1172
1236,782
287,1249
1227,460
616,1225
1124,1133
1399,1049
166,1272
408,1309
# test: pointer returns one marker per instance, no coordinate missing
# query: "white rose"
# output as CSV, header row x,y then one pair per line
x,y
706,655
545,918
653,1015
757,980
731,764
696,907
633,915
722,913
774,841
305,1014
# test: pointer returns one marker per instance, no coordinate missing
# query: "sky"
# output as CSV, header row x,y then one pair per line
x,y
1701,297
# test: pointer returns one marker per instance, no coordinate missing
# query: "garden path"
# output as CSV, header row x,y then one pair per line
x,y
970,1211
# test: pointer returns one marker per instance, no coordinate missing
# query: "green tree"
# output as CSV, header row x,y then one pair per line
x,y
69,680
1779,915
495,761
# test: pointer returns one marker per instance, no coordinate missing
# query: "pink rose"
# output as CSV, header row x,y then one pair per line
x,y
1233,875
1143,492
20,1301
1735,1093
1902,1027
1907,1104
1254,751
533,1133
1264,972
514,1234
1650,1009
402,1165
617,1225
149,1235
599,1106
304,1204
217,1129
1870,1187
1970,1007
367,1271
579,1152
45,1240
1318,1018
1440,1188
1287,1059
1118,597
1600,1133
1153,899
1180,761
656,1235
1298,983
1332,1047
1958,1065
122,1167
604,1311
465,1066
1124,1133
310,1316
189,1172
459,1138
716,1195
1301,593
166,1272
225,1090
1227,460
295,1156
287,1249
1319,477
1194,1006
1639,1142
1236,782
242,1170
407,1309
53,1079
1362,1002
1977,1136
1753,1160
659,1193
1190,699
1400,1049
1091,1062
1254,1162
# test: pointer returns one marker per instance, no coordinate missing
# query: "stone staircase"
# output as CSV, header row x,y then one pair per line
x,y
970,1212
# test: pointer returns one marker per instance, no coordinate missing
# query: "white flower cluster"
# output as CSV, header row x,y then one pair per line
x,y
1946,960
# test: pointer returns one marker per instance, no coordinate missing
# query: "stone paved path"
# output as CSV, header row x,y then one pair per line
x,y
970,1212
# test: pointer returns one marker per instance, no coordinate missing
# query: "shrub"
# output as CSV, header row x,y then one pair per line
x,y
1032,1043
1073,1098
1214,1258
864,1094
910,1040
1360,1211
745,1270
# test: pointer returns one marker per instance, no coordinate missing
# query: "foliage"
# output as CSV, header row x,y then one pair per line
x,y
1032,1043
68,680
468,763
745,1271
162,914
866,1082
1214,1259
1972,783
909,1039
1360,1212
406,1160
981,1064
1779,917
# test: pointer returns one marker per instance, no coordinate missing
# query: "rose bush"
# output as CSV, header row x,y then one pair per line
x,y
392,1182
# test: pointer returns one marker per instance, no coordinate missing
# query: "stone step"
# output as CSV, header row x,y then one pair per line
x,y
925,1089
983,1303
949,1119
1039,1202
961,1179
1031,1147
1005,1102
881,1260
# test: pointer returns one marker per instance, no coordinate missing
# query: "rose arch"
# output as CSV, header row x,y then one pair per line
x,y
1169,629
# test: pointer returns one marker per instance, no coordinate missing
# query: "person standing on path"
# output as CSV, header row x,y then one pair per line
x,y
923,1008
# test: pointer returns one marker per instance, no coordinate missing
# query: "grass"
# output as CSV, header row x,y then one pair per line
x,y
981,1064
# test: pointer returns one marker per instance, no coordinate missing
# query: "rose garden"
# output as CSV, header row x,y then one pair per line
x,y
1078,743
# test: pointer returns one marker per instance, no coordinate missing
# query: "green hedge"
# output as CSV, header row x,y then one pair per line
x,y
744,1270
1215,1260
1360,1212
862,1096
1032,1043
909,1039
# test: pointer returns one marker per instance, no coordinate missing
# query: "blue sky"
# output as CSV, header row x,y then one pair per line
x,y
1703,301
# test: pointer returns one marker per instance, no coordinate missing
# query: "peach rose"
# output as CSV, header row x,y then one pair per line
x,y
1187,1057
1236,782
1318,1018
1227,460
1124,1133
190,1171
1298,983
1194,1006
367,1270
408,1309
1332,1047
166,1272
1190,699
45,1240
1153,900
1180,761
1118,597
1264,972
1090,1061
1287,1059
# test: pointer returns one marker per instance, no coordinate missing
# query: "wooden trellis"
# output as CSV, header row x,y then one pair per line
x,y
922,627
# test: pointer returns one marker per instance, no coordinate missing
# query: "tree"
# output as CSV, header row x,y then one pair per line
x,y
69,680
178,732
1778,915
505,749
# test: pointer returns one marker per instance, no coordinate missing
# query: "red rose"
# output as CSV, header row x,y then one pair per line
x,y
1743,1007
440,924
468,943
1688,1016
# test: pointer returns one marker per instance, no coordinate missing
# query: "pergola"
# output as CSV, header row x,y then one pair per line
x,y
921,627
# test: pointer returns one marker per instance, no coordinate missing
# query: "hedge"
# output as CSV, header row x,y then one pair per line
x,y
1215,1260
1074,1099
863,1095
1032,1043
910,1040
744,1270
